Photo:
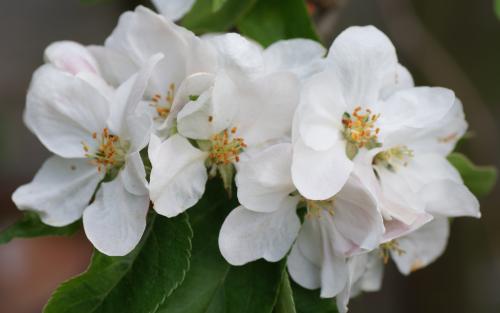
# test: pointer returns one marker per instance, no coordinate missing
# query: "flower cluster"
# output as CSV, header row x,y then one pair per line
x,y
338,159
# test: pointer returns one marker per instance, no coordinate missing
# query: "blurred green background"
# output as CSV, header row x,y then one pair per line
x,y
450,43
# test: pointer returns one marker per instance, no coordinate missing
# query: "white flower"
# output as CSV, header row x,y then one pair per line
x,y
138,36
411,176
233,115
303,57
351,107
266,225
95,133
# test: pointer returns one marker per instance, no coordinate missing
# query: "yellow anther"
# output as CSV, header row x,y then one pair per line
x,y
163,107
225,148
393,158
315,208
110,152
386,248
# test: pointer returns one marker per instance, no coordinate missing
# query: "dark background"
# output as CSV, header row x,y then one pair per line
x,y
450,43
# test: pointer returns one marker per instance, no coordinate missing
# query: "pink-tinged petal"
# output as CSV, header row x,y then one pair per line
x,y
422,246
356,215
71,57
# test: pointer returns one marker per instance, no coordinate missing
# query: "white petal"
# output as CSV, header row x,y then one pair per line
x,y
415,108
316,243
395,228
422,246
178,176
442,136
265,106
301,56
319,175
64,110
372,278
60,191
264,181
115,67
303,272
451,199
363,57
134,175
194,85
126,118
237,54
173,9
153,148
116,220
142,34
398,199
247,236
128,97
357,216
319,116
71,57
399,80
424,169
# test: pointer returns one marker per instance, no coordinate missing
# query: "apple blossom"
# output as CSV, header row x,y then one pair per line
x,y
345,110
95,134
266,224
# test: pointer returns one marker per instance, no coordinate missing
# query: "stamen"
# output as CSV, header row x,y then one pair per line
x,y
315,208
110,153
360,131
393,158
386,248
163,109
225,148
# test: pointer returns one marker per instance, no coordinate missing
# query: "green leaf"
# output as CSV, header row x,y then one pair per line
x,y
309,301
212,285
496,5
217,4
204,18
273,20
479,179
285,303
136,283
30,226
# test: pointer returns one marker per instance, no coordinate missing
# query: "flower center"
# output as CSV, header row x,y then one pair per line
x,y
315,208
393,158
111,152
360,131
225,148
386,248
163,105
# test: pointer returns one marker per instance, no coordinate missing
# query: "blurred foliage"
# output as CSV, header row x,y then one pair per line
x,y
30,226
497,8
273,20
479,179
204,19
